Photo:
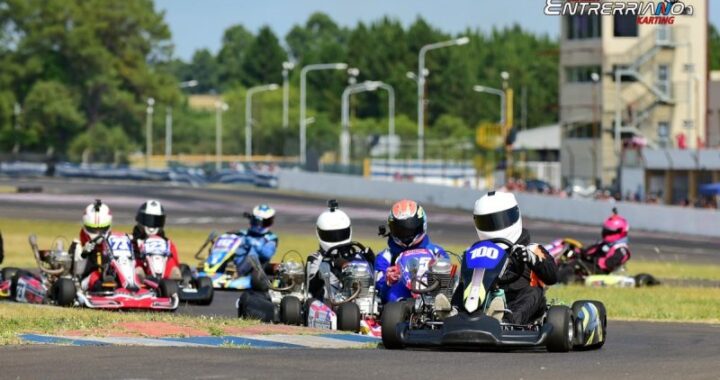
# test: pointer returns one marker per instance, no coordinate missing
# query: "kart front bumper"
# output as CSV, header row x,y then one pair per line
x,y
128,301
465,331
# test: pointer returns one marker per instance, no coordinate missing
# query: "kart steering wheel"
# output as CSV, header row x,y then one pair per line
x,y
509,276
346,251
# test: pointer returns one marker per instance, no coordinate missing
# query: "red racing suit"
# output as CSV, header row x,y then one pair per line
x,y
95,260
607,257
173,261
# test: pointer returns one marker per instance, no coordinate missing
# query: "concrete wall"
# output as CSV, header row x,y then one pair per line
x,y
641,216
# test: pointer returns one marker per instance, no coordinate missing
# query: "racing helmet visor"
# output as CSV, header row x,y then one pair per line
x,y
97,230
406,230
607,232
264,223
498,220
334,236
152,221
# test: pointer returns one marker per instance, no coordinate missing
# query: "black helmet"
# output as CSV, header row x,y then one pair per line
x,y
151,216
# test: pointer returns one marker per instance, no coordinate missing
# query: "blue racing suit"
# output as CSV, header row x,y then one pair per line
x,y
257,243
387,257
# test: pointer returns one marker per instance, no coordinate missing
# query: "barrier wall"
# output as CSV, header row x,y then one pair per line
x,y
646,217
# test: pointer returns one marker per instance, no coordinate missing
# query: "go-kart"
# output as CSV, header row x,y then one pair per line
x,y
118,287
574,267
219,265
348,304
484,271
155,252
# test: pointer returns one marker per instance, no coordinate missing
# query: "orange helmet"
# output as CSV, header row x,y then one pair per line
x,y
407,223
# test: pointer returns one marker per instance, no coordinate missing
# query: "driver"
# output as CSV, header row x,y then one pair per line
x,y
258,237
150,219
334,233
408,230
497,215
612,252
97,220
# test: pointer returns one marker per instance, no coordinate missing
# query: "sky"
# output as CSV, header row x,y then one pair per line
x,y
199,24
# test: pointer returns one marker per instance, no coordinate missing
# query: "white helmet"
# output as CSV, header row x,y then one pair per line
x,y
151,217
333,227
97,219
497,215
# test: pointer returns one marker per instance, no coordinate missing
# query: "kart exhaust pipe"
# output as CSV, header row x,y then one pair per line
x,y
209,239
32,239
352,297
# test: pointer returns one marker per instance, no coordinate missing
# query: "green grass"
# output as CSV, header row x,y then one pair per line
x,y
649,304
21,318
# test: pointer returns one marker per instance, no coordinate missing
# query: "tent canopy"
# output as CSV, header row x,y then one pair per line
x,y
710,189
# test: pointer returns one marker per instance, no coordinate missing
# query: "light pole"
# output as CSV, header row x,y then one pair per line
x,y
287,66
220,107
421,87
168,121
17,110
498,92
248,114
345,134
303,83
148,131
596,136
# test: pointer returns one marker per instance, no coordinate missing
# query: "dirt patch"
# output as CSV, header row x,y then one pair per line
x,y
152,329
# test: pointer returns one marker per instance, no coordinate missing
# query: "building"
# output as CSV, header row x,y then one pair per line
x,y
714,110
660,99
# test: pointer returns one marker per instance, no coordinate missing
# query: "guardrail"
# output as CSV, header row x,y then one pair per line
x,y
672,219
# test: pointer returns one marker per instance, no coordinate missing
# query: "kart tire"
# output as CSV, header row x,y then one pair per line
x,y
291,311
8,273
562,336
169,288
348,317
64,292
644,279
393,314
206,283
256,305
566,275
602,315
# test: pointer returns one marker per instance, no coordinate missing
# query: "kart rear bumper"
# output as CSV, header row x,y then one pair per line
x,y
467,331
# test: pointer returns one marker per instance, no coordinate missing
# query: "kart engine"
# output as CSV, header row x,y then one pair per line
x,y
360,274
441,271
292,272
58,258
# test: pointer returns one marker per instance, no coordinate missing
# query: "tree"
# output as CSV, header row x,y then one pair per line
x,y
51,114
205,70
231,58
264,58
714,48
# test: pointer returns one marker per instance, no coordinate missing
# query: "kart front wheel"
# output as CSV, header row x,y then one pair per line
x,y
348,317
290,311
168,288
64,292
594,337
562,336
206,283
393,314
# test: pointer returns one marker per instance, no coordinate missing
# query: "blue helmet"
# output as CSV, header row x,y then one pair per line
x,y
262,217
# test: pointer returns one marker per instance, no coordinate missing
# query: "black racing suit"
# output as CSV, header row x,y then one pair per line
x,y
525,301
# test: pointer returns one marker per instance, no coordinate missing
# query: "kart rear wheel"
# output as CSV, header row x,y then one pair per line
x,y
348,317
644,279
206,283
602,316
562,336
393,314
291,311
566,275
64,292
8,273
168,288
256,305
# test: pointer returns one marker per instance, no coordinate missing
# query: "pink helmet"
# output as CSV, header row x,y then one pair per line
x,y
615,228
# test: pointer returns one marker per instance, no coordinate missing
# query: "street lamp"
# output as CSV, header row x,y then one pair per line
x,y
421,87
248,114
498,92
345,134
595,77
220,107
17,110
303,83
287,66
169,120
148,131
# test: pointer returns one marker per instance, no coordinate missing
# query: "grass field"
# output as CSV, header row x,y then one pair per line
x,y
188,240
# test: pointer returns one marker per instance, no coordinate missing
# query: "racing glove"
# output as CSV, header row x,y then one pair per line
x,y
526,254
88,248
392,275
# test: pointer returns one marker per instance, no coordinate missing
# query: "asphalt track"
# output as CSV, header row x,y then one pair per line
x,y
633,351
